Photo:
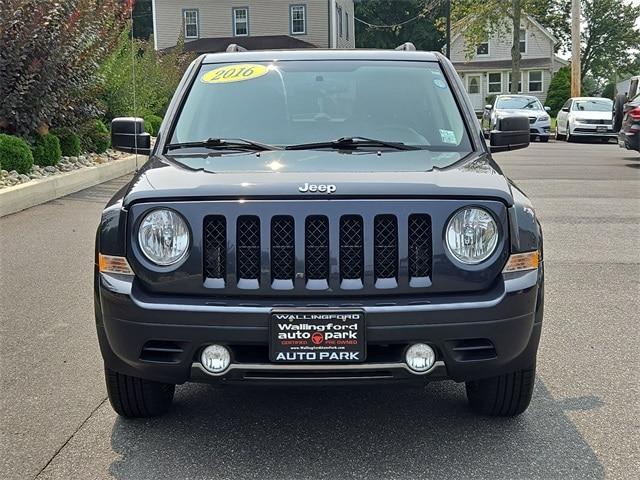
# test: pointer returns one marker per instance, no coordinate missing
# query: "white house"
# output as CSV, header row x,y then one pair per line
x,y
211,25
488,71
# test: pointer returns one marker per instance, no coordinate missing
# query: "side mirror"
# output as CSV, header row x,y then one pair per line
x,y
488,107
510,133
565,109
127,135
547,109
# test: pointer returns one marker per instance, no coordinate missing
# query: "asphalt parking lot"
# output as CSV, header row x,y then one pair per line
x,y
583,423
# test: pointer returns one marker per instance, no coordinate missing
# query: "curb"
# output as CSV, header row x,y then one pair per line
x,y
26,195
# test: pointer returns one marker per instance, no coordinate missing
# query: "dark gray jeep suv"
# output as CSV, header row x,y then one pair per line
x,y
319,217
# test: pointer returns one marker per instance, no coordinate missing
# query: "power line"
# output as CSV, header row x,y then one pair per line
x,y
428,7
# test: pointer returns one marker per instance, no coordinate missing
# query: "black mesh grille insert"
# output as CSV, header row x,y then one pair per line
x,y
248,247
385,253
215,247
351,248
317,248
420,246
282,248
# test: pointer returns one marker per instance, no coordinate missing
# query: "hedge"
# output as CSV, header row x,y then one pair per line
x,y
15,154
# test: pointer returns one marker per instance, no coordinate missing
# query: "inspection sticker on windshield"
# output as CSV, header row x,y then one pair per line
x,y
235,73
448,136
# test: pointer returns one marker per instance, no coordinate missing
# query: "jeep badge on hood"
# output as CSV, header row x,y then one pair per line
x,y
320,188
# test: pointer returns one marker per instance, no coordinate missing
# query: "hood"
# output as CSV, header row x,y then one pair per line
x,y
528,112
281,174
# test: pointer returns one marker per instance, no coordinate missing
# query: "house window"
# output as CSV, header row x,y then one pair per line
x,y
339,14
191,24
519,83
495,82
298,19
240,22
483,48
523,41
346,23
535,81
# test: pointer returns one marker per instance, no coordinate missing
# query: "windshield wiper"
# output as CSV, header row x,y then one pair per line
x,y
225,143
346,143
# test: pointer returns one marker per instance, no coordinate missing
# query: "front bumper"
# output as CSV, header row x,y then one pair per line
x,y
475,335
588,130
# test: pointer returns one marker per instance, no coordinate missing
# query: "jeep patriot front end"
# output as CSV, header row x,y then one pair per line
x,y
319,217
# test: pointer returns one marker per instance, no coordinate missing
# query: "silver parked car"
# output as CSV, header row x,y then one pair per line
x,y
585,117
527,105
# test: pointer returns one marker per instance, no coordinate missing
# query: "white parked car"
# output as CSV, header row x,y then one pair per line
x,y
585,117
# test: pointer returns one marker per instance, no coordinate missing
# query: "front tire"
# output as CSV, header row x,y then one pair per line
x,y
544,139
558,136
134,397
506,395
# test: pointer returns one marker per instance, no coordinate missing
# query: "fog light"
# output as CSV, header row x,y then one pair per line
x,y
215,358
420,357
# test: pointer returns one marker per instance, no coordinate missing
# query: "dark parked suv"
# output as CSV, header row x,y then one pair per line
x,y
319,217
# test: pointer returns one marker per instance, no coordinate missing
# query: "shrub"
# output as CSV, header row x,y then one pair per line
x,y
49,60
154,122
69,142
96,137
46,150
148,128
15,154
158,75
559,90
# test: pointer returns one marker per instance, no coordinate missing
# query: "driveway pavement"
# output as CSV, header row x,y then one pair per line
x,y
583,422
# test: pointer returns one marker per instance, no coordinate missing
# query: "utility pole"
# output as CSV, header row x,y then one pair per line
x,y
575,48
448,16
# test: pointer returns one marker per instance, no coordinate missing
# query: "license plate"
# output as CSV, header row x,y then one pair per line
x,y
601,129
317,337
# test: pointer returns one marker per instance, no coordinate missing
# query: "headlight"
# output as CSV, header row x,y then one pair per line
x,y
163,237
580,120
472,235
543,118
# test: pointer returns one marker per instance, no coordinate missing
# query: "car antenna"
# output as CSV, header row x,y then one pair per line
x,y
133,76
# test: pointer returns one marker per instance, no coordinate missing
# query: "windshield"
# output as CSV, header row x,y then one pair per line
x,y
303,102
518,103
593,105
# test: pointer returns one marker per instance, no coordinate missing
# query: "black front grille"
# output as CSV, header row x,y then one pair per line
x,y
370,252
419,246
385,250
215,247
282,248
351,248
316,250
248,247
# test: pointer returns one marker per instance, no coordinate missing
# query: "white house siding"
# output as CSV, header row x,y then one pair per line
x,y
347,8
266,17
539,45
484,87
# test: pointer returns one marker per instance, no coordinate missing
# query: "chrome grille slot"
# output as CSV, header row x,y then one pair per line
x,y
282,252
351,252
215,251
248,252
385,251
420,250
316,252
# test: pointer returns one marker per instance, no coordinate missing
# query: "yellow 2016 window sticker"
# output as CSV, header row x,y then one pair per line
x,y
235,73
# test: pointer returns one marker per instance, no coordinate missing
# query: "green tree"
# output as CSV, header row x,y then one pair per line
x,y
49,56
610,38
559,90
143,19
389,23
